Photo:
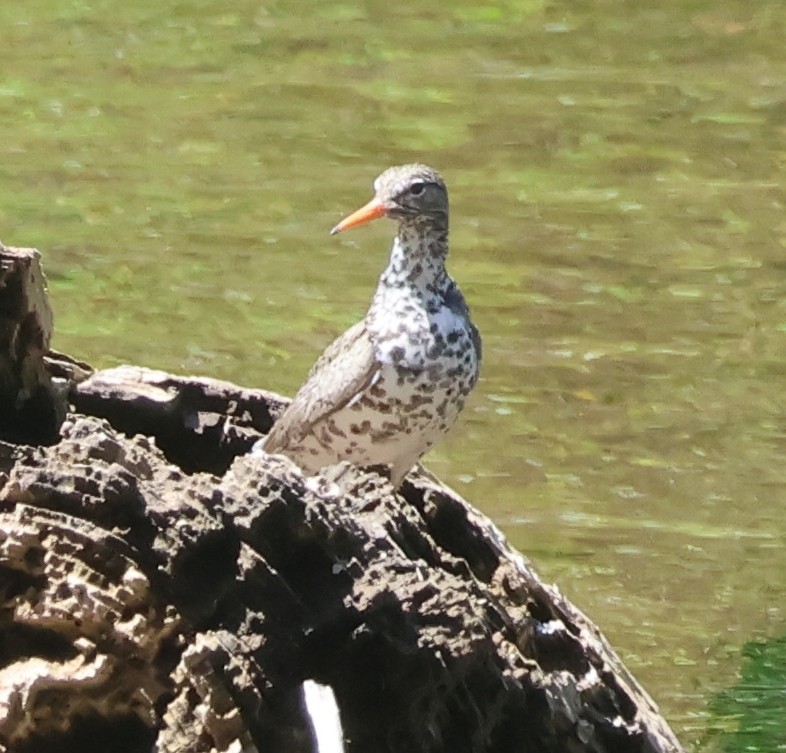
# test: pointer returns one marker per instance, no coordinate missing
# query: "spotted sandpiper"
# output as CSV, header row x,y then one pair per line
x,y
389,388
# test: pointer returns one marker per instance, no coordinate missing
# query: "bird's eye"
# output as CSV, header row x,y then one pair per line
x,y
416,189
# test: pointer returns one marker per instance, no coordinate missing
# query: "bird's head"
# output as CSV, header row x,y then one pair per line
x,y
411,194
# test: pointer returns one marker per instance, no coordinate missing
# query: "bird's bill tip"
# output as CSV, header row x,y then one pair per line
x,y
370,211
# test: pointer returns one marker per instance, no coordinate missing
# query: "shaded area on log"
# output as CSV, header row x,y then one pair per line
x,y
30,411
146,602
199,424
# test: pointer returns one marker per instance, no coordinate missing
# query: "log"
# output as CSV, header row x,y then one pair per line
x,y
29,408
164,588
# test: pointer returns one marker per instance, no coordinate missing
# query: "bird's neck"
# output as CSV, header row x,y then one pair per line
x,y
417,259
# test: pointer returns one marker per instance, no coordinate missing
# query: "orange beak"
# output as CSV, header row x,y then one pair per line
x,y
370,211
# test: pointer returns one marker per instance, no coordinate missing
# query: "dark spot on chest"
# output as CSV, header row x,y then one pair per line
x,y
455,301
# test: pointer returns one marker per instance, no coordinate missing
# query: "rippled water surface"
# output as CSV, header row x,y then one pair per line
x,y
617,175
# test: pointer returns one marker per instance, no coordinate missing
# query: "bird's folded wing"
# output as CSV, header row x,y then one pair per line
x,y
346,368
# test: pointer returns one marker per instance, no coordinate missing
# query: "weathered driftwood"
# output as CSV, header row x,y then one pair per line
x,y
29,409
163,589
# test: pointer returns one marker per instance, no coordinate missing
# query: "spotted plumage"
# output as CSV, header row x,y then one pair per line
x,y
389,388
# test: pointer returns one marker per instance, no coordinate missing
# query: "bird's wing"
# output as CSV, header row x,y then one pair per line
x,y
346,368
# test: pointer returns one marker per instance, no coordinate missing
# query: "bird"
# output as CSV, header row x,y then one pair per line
x,y
389,388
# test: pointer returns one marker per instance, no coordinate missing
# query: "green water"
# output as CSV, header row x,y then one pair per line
x,y
617,176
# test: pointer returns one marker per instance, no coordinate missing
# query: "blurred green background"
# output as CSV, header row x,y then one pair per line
x,y
617,175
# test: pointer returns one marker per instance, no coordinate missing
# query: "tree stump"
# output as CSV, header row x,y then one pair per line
x,y
29,409
164,589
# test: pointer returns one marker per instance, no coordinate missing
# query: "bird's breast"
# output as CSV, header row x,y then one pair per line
x,y
416,339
